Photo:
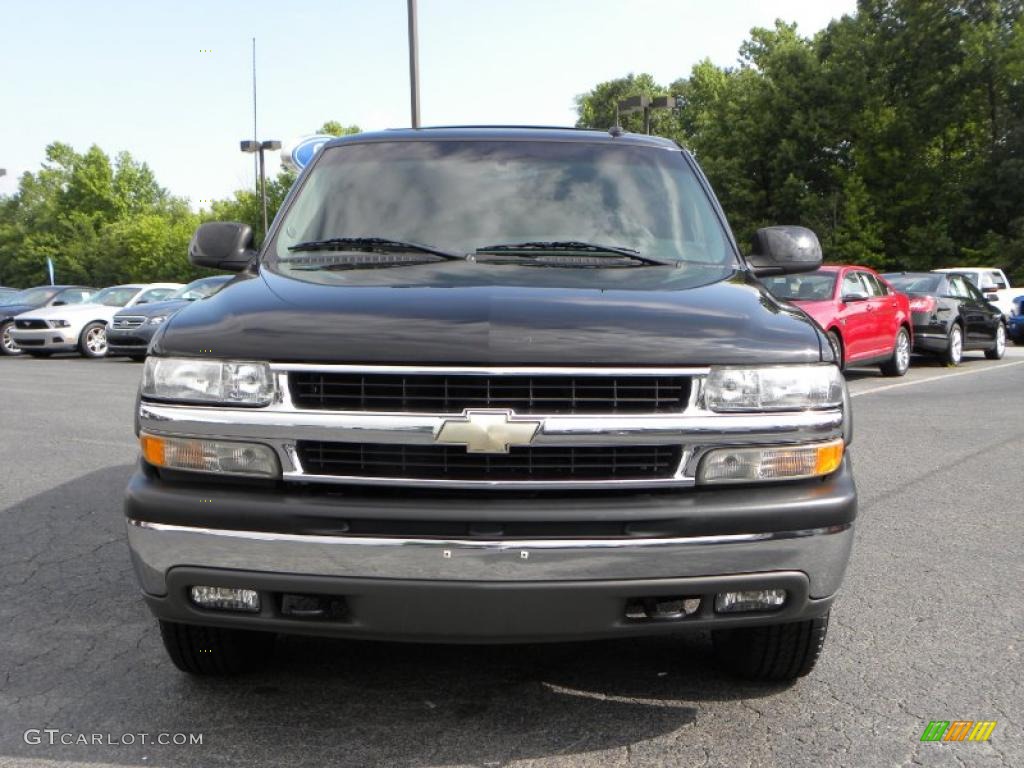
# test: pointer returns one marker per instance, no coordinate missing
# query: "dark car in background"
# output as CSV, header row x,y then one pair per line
x,y
951,315
132,328
1015,322
35,298
867,321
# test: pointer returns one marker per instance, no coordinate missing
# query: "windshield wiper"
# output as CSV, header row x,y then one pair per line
x,y
594,254
376,244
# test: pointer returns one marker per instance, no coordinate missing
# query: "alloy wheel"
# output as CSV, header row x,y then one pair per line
x,y
956,345
96,341
7,341
902,351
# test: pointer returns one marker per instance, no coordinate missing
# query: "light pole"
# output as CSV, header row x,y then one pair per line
x,y
645,103
259,147
414,66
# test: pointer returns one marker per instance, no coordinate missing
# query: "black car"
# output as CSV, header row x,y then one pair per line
x,y
34,298
494,385
132,328
951,315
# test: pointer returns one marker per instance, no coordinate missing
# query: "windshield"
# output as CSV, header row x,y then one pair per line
x,y
460,196
926,283
200,289
29,296
812,286
115,296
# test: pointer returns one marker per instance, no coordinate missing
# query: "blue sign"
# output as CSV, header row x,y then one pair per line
x,y
299,154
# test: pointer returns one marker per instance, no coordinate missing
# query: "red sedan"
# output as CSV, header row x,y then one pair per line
x,y
868,321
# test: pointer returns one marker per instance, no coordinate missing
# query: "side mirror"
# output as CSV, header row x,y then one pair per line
x,y
855,296
222,245
784,250
59,303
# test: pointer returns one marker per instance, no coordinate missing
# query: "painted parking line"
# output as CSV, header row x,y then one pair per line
x,y
941,377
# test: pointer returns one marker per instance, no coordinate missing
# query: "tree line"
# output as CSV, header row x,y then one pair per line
x,y
896,133
106,220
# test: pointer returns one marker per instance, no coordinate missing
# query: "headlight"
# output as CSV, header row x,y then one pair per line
x,y
157,319
776,388
207,381
770,462
60,323
219,456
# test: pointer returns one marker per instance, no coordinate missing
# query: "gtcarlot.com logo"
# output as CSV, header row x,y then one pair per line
x,y
958,730
54,736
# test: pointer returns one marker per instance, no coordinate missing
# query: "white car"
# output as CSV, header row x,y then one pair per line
x,y
82,327
993,284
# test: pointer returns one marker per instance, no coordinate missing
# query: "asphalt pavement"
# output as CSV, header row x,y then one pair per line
x,y
929,624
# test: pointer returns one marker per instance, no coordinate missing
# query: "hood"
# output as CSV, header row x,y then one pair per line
x,y
155,308
99,311
10,310
475,315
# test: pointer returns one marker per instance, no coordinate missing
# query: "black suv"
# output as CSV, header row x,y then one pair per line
x,y
494,385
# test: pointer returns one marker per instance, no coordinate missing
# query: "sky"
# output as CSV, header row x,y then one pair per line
x,y
171,82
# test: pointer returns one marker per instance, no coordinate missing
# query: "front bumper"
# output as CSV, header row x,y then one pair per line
x,y
45,339
490,588
129,342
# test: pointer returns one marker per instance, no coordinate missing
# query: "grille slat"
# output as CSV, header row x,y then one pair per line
x,y
432,393
446,462
128,322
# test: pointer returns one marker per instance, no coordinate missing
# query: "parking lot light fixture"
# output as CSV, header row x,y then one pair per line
x,y
259,147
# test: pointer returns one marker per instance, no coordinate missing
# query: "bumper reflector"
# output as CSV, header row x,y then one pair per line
x,y
776,462
226,598
228,458
750,600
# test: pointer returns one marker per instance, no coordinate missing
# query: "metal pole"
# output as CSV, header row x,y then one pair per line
x,y
263,193
414,66
255,171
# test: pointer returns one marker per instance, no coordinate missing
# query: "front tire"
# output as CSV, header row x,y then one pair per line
x,y
999,349
773,653
837,347
899,363
213,651
7,345
954,347
93,340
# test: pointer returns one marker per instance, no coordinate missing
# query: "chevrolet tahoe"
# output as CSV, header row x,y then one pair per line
x,y
486,385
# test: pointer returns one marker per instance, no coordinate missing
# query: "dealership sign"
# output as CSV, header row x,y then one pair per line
x,y
299,153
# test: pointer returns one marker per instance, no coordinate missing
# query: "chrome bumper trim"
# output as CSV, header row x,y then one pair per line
x,y
820,552
421,428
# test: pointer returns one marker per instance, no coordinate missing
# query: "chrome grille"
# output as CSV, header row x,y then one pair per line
x,y
445,462
524,394
128,322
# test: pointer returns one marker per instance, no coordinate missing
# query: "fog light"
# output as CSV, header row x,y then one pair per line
x,y
775,462
750,600
222,457
226,598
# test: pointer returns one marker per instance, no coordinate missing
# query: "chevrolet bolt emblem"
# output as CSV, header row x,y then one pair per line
x,y
487,431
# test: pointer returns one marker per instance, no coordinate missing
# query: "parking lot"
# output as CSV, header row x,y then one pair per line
x,y
928,625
